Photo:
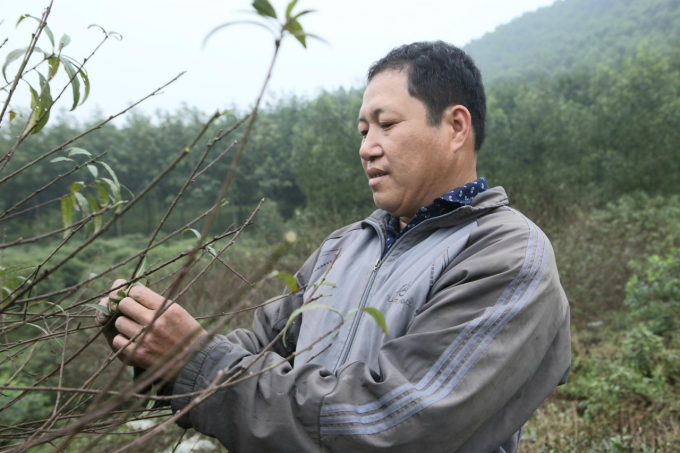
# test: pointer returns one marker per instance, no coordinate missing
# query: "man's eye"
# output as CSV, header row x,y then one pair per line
x,y
363,133
386,125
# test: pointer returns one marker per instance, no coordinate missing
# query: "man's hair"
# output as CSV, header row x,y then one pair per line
x,y
439,75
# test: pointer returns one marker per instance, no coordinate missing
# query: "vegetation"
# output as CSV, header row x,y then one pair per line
x,y
575,34
589,151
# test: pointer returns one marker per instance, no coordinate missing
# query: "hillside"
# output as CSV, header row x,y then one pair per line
x,y
575,33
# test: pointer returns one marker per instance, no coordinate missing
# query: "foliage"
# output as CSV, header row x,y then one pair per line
x,y
573,34
594,246
590,153
653,294
50,282
570,140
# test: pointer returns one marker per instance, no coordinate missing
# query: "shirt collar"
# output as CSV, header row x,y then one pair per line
x,y
460,196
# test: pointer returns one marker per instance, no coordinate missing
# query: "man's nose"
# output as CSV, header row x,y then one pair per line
x,y
370,147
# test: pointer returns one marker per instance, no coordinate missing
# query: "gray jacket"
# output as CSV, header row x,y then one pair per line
x,y
478,337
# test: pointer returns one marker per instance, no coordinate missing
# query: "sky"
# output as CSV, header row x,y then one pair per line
x,y
163,38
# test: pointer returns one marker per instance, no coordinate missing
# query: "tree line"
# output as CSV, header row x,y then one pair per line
x,y
584,138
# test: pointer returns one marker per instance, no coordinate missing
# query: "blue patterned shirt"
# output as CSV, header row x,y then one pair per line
x,y
454,199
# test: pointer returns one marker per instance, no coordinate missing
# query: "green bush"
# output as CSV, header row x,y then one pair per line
x,y
594,246
653,294
639,364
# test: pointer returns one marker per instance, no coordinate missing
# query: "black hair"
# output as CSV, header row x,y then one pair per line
x,y
439,75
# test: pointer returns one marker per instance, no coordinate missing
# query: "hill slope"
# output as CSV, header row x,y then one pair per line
x,y
574,33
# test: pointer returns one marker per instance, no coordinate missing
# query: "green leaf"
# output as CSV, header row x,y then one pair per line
x,y
76,151
94,207
100,308
49,34
311,35
63,42
34,96
115,190
290,281
196,233
76,186
53,63
296,30
46,302
86,84
67,210
142,267
290,7
61,159
375,314
227,24
83,75
75,84
82,202
45,332
13,271
99,27
112,173
34,108
93,170
12,115
44,106
13,55
302,309
102,194
24,16
211,250
264,8
303,13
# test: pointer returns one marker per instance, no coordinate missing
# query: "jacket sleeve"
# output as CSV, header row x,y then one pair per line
x,y
490,344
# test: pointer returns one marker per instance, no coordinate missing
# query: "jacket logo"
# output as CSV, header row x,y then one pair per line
x,y
398,297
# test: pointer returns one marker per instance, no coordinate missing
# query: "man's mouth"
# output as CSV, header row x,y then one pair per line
x,y
375,175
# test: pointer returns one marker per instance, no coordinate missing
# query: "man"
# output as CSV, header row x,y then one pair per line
x,y
478,324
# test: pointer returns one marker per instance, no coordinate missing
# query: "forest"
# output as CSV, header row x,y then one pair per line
x,y
587,148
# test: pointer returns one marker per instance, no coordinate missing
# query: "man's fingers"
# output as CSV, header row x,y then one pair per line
x,y
115,288
147,297
127,326
100,317
119,341
135,311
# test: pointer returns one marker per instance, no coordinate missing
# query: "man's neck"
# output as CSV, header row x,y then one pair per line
x,y
403,221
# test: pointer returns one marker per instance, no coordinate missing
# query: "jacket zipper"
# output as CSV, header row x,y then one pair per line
x,y
369,285
362,304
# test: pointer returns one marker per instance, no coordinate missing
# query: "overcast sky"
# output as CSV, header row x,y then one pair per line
x,y
163,38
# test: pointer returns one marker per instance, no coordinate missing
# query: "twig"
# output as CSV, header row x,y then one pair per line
x,y
82,134
27,56
101,231
184,187
36,192
41,204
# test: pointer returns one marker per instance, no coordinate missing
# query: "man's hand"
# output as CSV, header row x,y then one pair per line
x,y
175,330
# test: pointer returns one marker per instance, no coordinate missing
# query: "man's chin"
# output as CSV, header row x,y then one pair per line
x,y
386,204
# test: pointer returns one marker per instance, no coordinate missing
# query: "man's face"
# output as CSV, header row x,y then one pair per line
x,y
408,162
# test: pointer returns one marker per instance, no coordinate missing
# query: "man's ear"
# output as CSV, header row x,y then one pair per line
x,y
458,122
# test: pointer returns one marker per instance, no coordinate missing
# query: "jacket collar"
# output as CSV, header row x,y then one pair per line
x,y
482,203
